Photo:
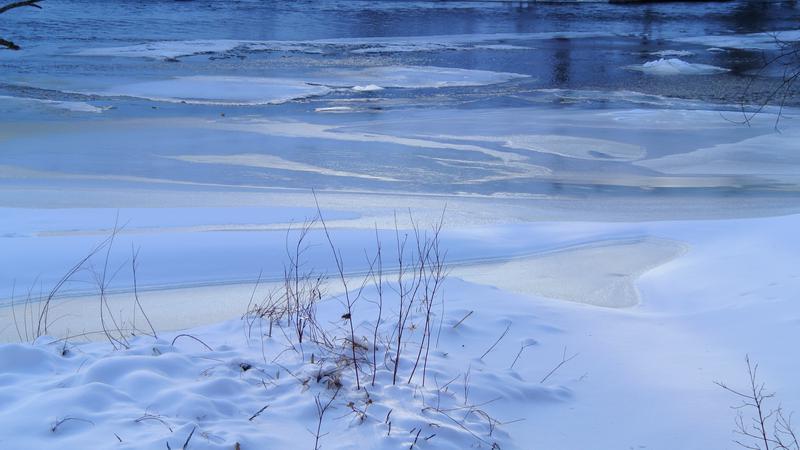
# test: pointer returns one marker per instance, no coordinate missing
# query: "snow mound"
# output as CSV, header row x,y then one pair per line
x,y
367,88
675,66
236,384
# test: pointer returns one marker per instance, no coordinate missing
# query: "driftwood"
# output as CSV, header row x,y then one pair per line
x,y
33,3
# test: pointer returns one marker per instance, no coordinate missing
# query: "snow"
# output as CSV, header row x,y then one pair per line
x,y
367,88
158,390
675,66
665,351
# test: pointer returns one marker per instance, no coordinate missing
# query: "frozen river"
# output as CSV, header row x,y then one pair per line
x,y
203,123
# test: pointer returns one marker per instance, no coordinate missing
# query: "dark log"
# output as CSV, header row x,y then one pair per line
x,y
10,6
8,44
33,3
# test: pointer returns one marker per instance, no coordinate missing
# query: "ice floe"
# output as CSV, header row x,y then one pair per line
x,y
664,53
234,90
220,90
375,78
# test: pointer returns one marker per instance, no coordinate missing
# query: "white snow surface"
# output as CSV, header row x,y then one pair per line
x,y
675,66
688,331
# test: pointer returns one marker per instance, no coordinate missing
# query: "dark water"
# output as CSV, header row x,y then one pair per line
x,y
596,63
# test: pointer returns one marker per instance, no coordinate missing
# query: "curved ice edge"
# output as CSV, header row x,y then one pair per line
x,y
72,106
652,252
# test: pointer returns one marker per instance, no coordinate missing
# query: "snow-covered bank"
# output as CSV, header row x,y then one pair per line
x,y
700,313
240,388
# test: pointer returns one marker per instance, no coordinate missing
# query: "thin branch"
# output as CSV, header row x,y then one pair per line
x,y
564,360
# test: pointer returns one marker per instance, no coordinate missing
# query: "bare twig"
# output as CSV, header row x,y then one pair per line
x,y
321,410
564,360
192,337
463,319
58,423
496,342
258,413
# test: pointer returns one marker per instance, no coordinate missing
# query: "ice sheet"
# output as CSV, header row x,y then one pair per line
x,y
753,41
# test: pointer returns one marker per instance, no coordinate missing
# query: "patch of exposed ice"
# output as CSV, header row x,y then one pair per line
x,y
608,271
272,162
562,145
675,66
753,41
576,147
319,131
334,109
770,154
